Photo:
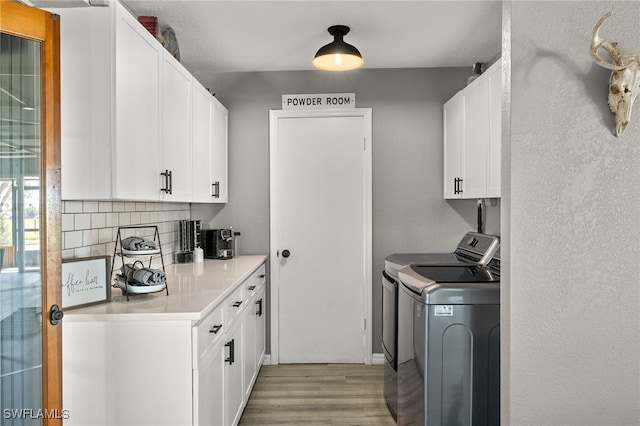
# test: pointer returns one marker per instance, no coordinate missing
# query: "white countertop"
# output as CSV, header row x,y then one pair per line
x,y
195,289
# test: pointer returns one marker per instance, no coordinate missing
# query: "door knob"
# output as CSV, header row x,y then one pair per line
x,y
55,314
286,253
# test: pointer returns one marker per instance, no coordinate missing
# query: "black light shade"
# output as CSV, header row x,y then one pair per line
x,y
338,55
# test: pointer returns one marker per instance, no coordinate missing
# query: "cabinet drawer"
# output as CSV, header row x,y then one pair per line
x,y
233,306
254,284
209,331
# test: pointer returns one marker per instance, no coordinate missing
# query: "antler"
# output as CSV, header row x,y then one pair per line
x,y
598,42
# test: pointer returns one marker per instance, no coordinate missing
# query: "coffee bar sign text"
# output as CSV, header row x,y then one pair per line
x,y
319,101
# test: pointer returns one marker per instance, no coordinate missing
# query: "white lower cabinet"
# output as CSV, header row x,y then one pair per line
x,y
209,386
238,354
165,372
233,370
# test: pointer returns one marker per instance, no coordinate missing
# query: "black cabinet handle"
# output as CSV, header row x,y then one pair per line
x,y
216,186
286,253
252,287
232,356
457,188
168,181
261,276
259,303
237,304
215,329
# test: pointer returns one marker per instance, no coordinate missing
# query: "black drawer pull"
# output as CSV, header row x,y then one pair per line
x,y
232,356
215,329
259,303
252,287
261,276
237,304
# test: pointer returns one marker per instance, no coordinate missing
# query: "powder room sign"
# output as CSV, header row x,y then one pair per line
x,y
319,101
86,281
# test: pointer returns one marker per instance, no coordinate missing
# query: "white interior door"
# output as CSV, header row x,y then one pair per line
x,y
321,215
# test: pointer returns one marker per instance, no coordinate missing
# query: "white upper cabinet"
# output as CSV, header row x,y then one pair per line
x,y
219,160
209,137
127,124
137,132
495,130
472,132
202,139
176,131
453,116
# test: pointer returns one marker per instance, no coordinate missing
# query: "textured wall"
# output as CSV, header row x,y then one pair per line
x,y
409,214
573,226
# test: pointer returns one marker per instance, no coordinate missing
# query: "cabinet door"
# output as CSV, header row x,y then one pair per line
x,y
249,348
260,329
201,144
209,388
495,131
476,140
176,130
136,157
453,127
233,384
85,84
219,160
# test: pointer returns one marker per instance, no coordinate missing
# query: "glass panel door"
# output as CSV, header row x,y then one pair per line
x,y
20,274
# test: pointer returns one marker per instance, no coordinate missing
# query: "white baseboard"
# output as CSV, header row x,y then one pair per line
x,y
378,359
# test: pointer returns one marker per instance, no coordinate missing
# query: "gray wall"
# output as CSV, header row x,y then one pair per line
x,y
409,214
571,327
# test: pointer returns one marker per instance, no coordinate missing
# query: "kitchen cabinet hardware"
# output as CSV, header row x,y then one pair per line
x,y
456,186
231,358
251,287
237,304
215,329
259,303
216,187
262,276
286,253
55,314
168,181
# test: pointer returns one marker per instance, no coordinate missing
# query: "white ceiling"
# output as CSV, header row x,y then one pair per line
x,y
242,35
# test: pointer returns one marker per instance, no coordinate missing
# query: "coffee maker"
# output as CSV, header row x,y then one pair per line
x,y
188,240
218,243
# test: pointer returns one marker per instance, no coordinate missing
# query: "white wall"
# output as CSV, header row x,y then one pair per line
x,y
571,324
409,213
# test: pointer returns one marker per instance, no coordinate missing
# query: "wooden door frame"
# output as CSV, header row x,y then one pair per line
x,y
274,117
41,26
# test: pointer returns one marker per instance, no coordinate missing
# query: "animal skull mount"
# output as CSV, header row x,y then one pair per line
x,y
624,83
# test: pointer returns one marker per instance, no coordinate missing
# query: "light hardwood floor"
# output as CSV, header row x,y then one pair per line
x,y
318,394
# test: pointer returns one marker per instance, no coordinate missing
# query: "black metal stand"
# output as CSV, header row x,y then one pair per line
x,y
122,255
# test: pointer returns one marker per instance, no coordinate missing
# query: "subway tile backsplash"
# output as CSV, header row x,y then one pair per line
x,y
89,228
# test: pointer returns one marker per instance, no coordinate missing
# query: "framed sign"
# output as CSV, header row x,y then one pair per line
x,y
86,281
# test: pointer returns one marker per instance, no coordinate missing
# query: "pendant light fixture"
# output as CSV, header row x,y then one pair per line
x,y
338,55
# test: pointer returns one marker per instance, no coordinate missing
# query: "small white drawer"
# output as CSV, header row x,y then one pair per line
x,y
209,331
233,306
